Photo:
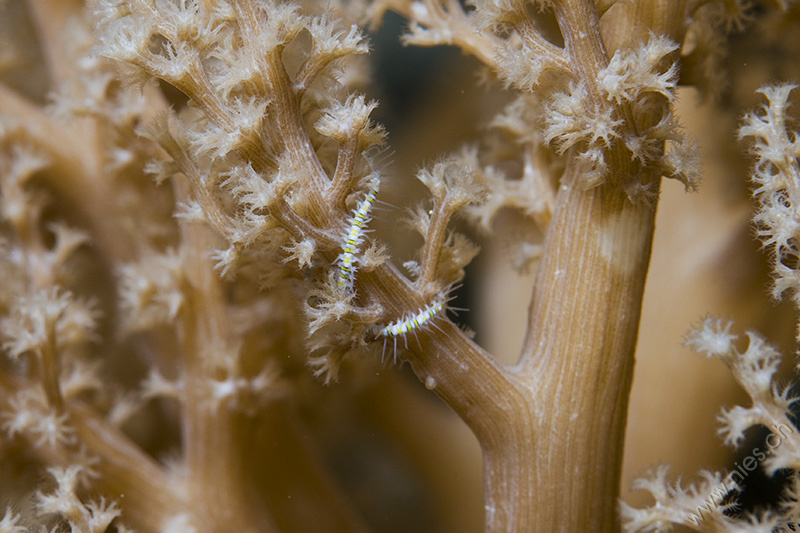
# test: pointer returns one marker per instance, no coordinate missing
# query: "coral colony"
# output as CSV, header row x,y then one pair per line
x,y
195,315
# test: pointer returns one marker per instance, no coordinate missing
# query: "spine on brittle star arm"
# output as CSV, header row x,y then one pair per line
x,y
352,240
412,322
408,324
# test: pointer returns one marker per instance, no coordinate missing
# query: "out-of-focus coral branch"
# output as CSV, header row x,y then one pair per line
x,y
702,507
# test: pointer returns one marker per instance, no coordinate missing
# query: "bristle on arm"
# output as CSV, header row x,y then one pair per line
x,y
352,241
409,323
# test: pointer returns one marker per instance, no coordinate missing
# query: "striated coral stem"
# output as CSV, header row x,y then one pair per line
x,y
215,473
590,284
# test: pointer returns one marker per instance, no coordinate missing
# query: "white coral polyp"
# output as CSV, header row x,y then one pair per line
x,y
713,338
